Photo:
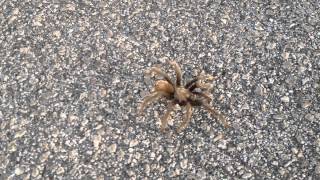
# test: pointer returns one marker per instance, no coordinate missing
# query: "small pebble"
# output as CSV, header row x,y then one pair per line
x,y
112,148
133,143
247,175
19,170
285,99
306,104
184,163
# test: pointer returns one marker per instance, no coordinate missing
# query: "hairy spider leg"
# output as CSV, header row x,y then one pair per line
x,y
161,73
177,69
187,119
202,86
150,98
204,95
216,114
191,85
164,119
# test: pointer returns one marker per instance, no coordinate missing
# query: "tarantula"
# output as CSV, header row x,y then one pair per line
x,y
193,93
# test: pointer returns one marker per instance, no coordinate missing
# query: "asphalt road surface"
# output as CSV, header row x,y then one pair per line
x,y
73,74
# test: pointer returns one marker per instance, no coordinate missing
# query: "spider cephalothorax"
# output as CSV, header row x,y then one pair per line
x,y
193,93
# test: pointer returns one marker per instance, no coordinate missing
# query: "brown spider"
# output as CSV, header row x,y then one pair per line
x,y
186,96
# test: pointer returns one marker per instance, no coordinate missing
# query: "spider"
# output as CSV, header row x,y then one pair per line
x,y
193,93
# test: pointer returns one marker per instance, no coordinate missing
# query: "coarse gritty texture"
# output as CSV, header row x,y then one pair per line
x,y
72,77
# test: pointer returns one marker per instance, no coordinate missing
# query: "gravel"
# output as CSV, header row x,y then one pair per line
x,y
72,77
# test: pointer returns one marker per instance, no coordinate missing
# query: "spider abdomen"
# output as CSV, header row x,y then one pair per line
x,y
164,86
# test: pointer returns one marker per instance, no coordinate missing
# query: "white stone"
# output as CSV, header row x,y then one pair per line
x,y
96,141
285,99
133,143
184,163
112,148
